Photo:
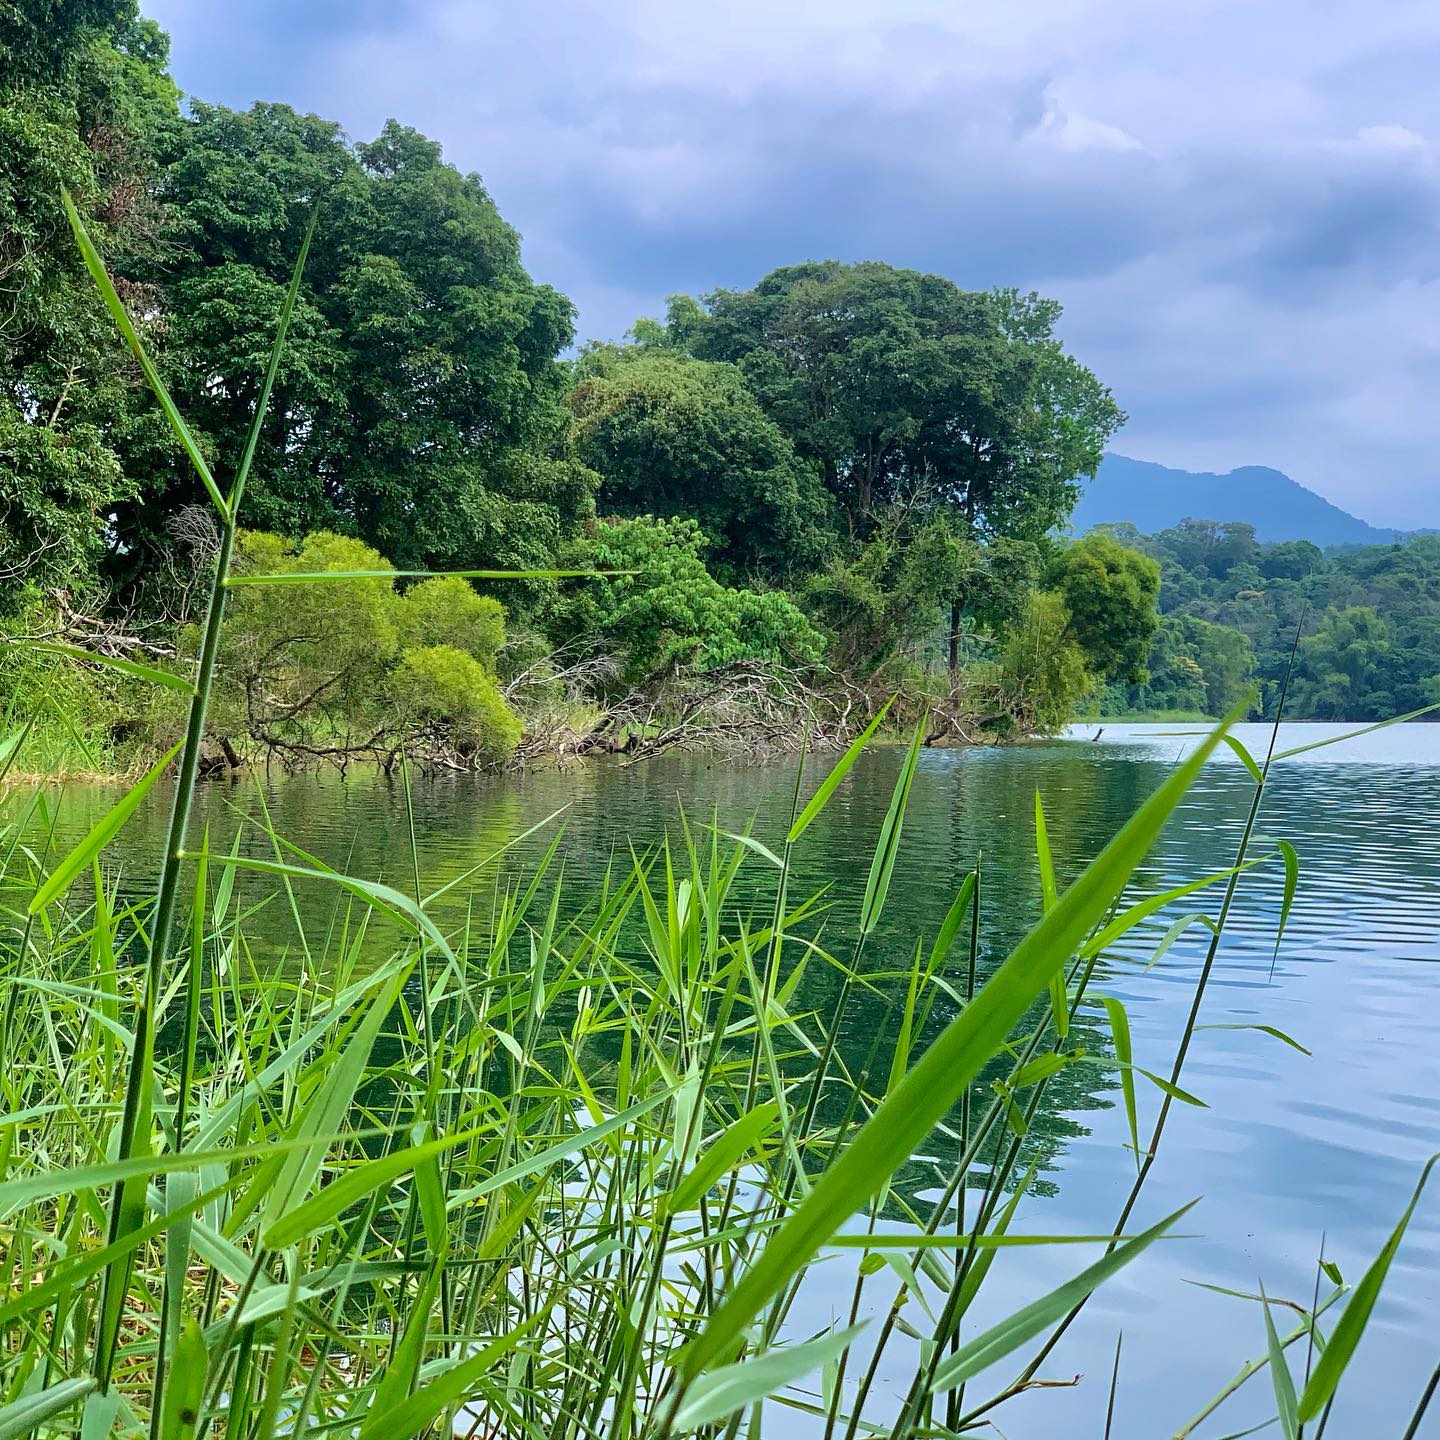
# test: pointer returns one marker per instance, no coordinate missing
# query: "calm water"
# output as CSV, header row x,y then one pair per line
x,y
1292,1147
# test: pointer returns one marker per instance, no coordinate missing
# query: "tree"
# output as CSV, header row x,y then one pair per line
x,y
896,383
675,436
1342,668
83,92
1110,593
418,403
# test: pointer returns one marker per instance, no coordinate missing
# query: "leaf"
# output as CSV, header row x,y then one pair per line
x,y
1028,1322
1292,878
723,1155
414,1414
353,1186
732,1387
112,662
883,865
907,1114
820,798
1351,1326
105,830
1265,1029
96,266
185,1384
1246,759
1355,734
1280,1376
22,1417
1059,1001
1120,1031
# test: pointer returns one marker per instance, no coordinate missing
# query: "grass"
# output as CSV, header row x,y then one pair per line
x,y
559,1169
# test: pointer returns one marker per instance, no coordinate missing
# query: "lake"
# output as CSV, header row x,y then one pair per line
x,y
1291,1148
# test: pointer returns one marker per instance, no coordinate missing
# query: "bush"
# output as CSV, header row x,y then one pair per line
x,y
446,610
440,685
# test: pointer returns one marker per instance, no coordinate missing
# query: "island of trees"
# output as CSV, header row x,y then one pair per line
x,y
784,504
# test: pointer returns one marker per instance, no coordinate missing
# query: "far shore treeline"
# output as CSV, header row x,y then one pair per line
x,y
786,503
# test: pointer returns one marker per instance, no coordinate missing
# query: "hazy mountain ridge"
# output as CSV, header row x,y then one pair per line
x,y
1154,497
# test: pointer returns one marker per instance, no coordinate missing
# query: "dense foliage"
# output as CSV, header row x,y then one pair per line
x,y
1368,616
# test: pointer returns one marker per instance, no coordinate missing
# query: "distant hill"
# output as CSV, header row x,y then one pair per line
x,y
1154,497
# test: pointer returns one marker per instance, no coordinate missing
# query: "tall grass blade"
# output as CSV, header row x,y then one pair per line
x,y
118,313
838,772
906,1116
102,833
1336,1356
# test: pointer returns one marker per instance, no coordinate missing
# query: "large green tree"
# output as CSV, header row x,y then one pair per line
x,y
899,384
418,404
676,436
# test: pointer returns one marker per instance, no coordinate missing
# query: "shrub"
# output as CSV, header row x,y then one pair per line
x,y
446,610
440,685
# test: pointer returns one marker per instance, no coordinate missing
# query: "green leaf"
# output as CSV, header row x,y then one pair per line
x,y
732,1387
908,1113
723,1155
105,830
21,1418
1280,1376
1120,1031
414,1414
112,662
1292,878
1351,1326
1059,1000
828,785
185,1384
96,266
1246,759
1264,1029
1028,1322
883,865
1355,734
353,1186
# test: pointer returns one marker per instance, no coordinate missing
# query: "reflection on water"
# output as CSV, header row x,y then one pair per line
x,y
1290,1148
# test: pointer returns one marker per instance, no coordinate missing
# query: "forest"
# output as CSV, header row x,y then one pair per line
x,y
784,503
1367,618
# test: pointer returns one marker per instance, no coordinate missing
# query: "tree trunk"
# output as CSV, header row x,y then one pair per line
x,y
954,642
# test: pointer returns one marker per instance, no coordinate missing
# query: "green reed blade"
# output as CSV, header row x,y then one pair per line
x,y
1124,1053
118,313
732,1387
907,1115
1281,1378
113,662
838,772
1025,1324
1356,1316
888,845
104,831
1059,1001
21,1418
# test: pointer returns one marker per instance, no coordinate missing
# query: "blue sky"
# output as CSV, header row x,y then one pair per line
x,y
1237,202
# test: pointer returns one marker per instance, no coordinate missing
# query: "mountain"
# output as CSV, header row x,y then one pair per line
x,y
1154,497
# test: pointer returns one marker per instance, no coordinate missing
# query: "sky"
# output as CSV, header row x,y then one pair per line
x,y
1236,201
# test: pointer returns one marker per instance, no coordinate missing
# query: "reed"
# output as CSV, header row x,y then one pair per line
x,y
560,1168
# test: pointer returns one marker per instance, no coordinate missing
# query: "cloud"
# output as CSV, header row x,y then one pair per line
x,y
1237,204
